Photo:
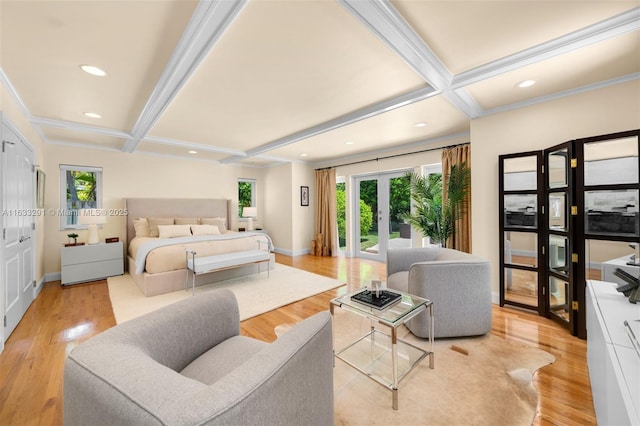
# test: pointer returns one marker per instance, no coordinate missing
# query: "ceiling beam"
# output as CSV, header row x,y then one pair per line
x,y
209,21
191,145
343,120
600,31
388,25
79,127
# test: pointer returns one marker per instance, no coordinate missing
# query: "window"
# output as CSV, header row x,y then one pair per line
x,y
80,188
246,194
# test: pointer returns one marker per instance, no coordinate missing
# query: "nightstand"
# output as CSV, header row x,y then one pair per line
x,y
91,262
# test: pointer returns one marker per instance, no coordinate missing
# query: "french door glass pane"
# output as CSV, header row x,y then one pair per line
x,y
369,216
399,205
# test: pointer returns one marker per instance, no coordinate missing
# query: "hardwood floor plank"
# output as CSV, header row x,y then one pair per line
x,y
31,366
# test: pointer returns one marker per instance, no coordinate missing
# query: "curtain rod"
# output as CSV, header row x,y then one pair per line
x,y
394,156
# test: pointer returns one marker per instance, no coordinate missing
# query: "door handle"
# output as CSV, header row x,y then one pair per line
x,y
23,239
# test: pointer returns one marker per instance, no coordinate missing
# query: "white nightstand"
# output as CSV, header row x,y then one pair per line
x,y
91,262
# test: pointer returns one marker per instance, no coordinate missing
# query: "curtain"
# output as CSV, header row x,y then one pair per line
x,y
326,222
461,239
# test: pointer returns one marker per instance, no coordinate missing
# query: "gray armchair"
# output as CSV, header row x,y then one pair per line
x,y
458,284
187,364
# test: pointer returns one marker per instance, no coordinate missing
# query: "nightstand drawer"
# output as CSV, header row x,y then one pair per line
x,y
91,262
92,271
90,253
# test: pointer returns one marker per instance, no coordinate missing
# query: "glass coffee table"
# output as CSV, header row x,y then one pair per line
x,y
381,356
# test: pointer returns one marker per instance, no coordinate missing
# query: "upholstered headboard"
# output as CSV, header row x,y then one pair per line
x,y
172,207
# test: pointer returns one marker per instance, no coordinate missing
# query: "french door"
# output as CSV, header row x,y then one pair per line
x,y
17,253
378,205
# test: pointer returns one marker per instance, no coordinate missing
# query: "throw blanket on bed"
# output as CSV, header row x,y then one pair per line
x,y
147,247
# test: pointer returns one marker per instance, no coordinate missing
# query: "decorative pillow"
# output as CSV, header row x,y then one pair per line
x,y
141,227
220,222
205,230
185,220
173,231
155,221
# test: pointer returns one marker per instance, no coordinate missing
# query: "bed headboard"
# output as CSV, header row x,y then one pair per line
x,y
172,207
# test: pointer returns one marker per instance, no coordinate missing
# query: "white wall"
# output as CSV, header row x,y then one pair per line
x,y
608,110
139,175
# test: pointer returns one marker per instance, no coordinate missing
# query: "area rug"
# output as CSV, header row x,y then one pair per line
x,y
476,381
256,293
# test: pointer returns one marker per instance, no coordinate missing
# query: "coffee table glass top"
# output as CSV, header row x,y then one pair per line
x,y
392,314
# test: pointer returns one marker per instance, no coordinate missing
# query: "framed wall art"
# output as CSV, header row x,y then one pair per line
x,y
304,195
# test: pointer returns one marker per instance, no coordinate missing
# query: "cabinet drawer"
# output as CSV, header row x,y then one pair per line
x,y
90,253
91,271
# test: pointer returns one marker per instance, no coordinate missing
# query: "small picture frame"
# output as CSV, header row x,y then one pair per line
x,y
40,180
304,195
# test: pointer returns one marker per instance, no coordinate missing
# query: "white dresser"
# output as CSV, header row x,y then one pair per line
x,y
614,364
91,262
607,268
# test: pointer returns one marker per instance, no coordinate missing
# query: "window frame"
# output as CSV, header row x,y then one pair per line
x,y
63,212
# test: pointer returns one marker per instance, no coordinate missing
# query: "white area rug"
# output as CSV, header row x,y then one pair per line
x,y
256,293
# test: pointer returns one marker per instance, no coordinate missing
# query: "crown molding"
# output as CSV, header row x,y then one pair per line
x,y
603,30
209,21
558,95
4,79
367,156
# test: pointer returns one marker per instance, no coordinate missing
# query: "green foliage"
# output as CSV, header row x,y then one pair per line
x,y
244,196
431,217
81,188
366,218
366,214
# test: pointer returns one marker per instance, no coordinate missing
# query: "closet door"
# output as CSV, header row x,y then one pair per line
x,y
521,257
559,226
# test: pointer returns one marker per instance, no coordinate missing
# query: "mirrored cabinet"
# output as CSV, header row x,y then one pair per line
x,y
568,214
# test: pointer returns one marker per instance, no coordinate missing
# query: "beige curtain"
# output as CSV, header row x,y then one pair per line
x,y
326,223
461,239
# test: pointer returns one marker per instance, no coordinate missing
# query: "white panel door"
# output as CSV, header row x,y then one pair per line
x,y
17,228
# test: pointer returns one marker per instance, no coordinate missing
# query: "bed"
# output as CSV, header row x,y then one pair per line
x,y
156,256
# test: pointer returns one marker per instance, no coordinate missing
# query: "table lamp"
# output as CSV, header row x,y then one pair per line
x,y
93,218
249,213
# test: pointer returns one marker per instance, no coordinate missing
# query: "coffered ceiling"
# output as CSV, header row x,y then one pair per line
x,y
263,82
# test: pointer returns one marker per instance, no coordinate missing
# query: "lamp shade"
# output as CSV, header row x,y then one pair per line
x,y
92,216
249,212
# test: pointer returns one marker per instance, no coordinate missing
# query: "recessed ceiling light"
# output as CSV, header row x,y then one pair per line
x,y
92,115
93,70
303,155
349,143
421,124
192,151
526,83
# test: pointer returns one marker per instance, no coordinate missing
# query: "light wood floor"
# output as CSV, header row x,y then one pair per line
x,y
59,319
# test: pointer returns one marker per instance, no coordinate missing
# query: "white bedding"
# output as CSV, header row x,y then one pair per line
x,y
155,255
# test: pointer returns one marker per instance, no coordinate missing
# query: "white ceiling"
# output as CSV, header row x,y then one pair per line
x,y
263,82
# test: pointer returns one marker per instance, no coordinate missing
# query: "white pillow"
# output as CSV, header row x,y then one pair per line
x,y
173,231
141,227
205,230
220,222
